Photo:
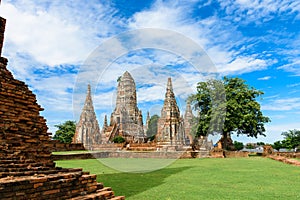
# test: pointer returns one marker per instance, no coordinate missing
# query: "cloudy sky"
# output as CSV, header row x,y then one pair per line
x,y
58,47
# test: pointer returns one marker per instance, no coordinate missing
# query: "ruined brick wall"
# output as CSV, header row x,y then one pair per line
x,y
27,170
23,132
2,28
58,146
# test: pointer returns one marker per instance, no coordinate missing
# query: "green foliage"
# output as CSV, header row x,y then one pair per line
x,y
277,145
65,131
260,143
210,101
119,78
152,127
118,139
228,106
291,139
238,145
249,146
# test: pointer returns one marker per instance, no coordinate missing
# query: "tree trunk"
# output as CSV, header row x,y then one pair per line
x,y
225,141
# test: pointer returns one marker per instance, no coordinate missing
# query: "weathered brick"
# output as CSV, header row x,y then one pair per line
x,y
27,170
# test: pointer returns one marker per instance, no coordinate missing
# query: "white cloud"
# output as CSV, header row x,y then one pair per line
x,y
209,33
265,78
283,104
58,34
242,64
274,130
246,11
49,39
293,67
294,85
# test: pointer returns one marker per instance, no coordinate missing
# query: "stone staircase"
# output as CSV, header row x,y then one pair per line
x,y
72,184
27,170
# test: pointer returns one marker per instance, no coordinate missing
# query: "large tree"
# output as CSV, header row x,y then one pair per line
x,y
65,131
228,106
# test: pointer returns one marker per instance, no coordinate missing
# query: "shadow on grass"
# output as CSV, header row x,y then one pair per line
x,y
129,184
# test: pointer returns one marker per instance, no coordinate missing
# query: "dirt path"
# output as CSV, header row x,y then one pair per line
x,y
285,160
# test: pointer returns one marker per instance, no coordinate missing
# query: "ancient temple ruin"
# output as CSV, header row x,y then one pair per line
x,y
27,169
170,124
126,119
87,129
188,123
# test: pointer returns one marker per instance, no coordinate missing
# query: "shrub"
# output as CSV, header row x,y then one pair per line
x,y
238,145
118,139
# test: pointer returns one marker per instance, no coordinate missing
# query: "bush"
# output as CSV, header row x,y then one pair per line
x,y
249,146
118,139
238,145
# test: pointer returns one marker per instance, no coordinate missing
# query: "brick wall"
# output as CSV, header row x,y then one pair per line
x,y
58,146
2,28
23,132
27,170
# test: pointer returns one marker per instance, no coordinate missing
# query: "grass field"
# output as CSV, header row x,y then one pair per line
x,y
235,178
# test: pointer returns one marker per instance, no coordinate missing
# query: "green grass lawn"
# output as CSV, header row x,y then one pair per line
x,y
231,178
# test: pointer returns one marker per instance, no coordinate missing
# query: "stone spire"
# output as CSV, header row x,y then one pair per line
x,y
126,114
169,124
87,129
140,118
105,122
126,95
147,120
188,117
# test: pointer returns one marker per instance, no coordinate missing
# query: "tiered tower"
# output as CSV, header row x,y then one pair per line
x,y
87,129
169,127
126,119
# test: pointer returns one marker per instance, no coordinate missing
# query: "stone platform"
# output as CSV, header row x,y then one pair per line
x,y
132,154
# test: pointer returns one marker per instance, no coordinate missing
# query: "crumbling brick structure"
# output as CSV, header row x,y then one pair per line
x,y
2,28
27,170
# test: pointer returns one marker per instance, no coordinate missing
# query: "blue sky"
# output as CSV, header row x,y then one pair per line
x,y
49,45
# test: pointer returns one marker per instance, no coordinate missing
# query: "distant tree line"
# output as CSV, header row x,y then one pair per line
x,y
291,140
